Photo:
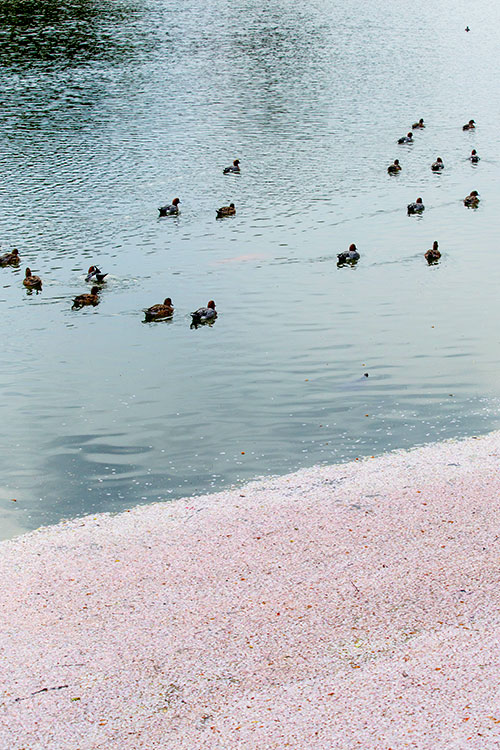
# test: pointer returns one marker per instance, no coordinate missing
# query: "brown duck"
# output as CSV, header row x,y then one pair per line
x,y
226,211
87,299
433,255
10,259
157,312
32,282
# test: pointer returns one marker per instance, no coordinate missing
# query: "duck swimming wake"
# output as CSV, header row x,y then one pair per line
x,y
96,274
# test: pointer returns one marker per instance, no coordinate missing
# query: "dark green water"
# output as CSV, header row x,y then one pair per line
x,y
109,110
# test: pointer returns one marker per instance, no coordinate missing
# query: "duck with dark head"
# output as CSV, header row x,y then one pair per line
x,y
395,167
233,169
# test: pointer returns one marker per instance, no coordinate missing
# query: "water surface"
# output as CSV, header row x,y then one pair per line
x,y
109,110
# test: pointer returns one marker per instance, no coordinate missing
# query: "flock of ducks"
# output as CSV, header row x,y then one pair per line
x,y
471,200
208,314
160,311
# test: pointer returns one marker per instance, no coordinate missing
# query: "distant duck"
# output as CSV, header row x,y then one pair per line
x,y
418,125
408,138
416,208
467,28
472,200
395,167
96,274
171,210
471,125
438,165
234,169
10,259
432,256
226,211
32,282
87,299
204,314
473,156
157,312
351,256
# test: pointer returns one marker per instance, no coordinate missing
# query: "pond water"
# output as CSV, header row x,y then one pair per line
x,y
111,109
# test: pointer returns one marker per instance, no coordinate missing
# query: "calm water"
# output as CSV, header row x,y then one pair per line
x,y
109,110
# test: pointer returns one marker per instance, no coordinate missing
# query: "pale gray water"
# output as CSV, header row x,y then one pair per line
x,y
111,109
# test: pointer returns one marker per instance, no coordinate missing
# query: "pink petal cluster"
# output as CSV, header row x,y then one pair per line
x,y
350,606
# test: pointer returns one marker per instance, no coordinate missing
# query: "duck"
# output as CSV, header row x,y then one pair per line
x,y
204,314
418,125
157,312
95,273
474,158
438,165
472,200
395,167
408,138
471,125
233,169
10,259
416,208
351,256
226,211
432,256
30,281
87,299
171,210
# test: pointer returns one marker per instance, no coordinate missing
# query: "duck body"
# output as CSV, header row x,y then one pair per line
x,y
472,200
160,311
204,314
10,259
433,255
32,282
350,256
438,165
83,300
408,138
225,211
395,167
172,209
233,169
415,208
95,274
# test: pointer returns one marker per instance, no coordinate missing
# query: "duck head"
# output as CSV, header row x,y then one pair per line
x,y
353,247
167,302
95,291
236,163
28,273
435,245
211,305
419,201
176,202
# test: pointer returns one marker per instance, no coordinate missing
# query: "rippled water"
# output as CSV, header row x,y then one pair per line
x,y
109,110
